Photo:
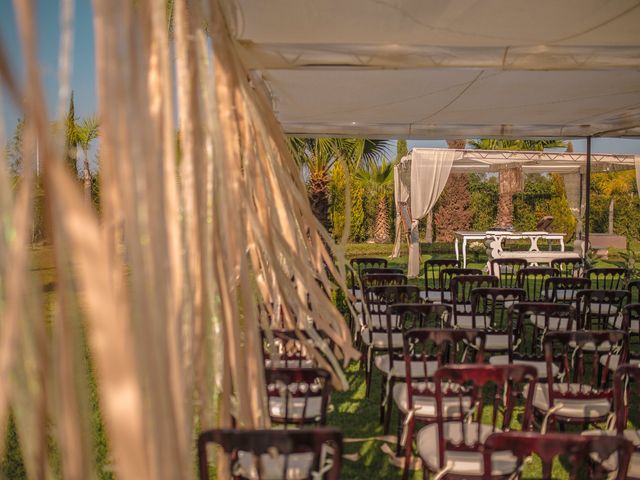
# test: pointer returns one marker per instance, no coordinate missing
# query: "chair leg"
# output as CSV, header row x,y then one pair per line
x,y
399,451
368,372
383,385
389,404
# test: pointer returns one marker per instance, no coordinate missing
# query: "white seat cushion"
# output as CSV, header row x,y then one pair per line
x,y
610,464
591,347
466,321
463,463
426,405
555,323
277,407
496,342
399,370
305,363
592,408
565,294
614,360
540,366
381,339
377,321
298,466
435,296
606,309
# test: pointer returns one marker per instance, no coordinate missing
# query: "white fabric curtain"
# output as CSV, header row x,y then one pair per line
x,y
429,173
401,184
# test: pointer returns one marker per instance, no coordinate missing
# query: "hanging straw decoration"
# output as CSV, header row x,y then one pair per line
x,y
205,236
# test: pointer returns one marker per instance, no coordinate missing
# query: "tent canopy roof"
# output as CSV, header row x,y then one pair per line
x,y
445,69
480,161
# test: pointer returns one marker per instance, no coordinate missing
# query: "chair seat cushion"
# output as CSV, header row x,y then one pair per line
x,y
555,323
540,366
295,363
591,347
296,408
614,361
462,462
571,408
399,370
425,405
377,320
381,339
299,466
435,296
463,320
610,464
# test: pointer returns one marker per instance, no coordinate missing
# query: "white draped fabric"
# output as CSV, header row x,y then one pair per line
x,y
429,171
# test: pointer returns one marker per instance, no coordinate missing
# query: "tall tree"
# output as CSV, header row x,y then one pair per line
x,y
401,149
377,179
71,137
510,178
13,149
86,133
613,185
317,156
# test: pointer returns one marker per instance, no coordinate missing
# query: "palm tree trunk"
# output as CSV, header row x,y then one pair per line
x,y
429,233
381,230
611,209
87,176
510,182
318,192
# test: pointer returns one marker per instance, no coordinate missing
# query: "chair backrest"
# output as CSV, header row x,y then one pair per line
x,y
529,322
378,298
607,278
488,394
532,280
379,279
286,348
250,453
631,324
564,289
369,271
489,307
432,269
626,382
298,396
461,287
432,348
581,450
506,269
360,263
446,274
402,317
568,267
584,359
634,290
599,309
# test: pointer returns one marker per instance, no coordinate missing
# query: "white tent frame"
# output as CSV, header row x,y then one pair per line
x,y
492,161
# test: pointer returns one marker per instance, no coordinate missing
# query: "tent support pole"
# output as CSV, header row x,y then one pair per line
x,y
587,208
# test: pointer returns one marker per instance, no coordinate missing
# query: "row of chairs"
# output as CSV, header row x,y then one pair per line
x,y
469,434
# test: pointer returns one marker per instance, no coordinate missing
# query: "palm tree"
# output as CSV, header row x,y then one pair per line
x,y
317,156
87,132
614,185
510,179
377,178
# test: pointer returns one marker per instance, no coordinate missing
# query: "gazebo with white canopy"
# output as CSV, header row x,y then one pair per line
x,y
421,176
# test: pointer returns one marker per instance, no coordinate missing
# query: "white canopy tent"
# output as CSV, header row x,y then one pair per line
x,y
418,186
445,69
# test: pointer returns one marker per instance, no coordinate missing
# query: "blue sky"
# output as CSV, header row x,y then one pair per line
x,y
83,75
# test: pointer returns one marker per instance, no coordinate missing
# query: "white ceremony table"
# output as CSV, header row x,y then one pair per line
x,y
533,237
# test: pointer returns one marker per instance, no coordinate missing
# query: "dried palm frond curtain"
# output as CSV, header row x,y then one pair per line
x,y
162,297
